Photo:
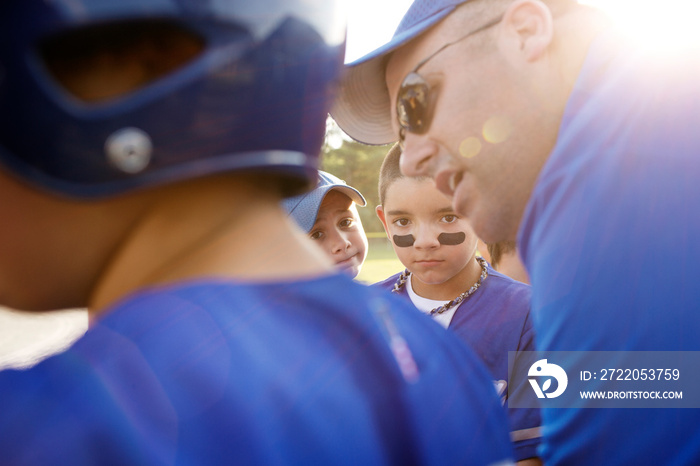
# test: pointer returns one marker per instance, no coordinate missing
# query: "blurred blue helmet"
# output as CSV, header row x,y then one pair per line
x,y
239,85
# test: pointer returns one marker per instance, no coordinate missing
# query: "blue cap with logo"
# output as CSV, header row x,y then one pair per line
x,y
362,109
304,208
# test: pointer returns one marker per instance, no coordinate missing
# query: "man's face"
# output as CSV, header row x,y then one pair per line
x,y
429,239
338,231
484,145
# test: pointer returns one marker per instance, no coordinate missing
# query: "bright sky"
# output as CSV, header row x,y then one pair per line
x,y
371,23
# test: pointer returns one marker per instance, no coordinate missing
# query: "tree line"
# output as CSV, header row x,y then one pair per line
x,y
358,165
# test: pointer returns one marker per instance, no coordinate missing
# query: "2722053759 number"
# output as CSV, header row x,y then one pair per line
x,y
639,374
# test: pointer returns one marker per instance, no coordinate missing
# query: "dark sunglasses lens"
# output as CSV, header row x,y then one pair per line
x,y
412,104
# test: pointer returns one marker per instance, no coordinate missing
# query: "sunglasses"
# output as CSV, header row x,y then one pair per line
x,y
413,100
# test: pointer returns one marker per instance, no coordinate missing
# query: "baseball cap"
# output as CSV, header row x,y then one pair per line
x,y
304,208
362,108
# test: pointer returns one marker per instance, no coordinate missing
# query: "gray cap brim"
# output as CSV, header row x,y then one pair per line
x,y
363,107
304,208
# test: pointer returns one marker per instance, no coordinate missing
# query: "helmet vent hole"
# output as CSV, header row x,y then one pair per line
x,y
129,150
102,62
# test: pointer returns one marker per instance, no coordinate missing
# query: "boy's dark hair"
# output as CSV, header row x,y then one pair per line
x,y
497,250
390,171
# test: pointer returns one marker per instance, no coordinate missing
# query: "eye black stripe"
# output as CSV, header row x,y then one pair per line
x,y
452,239
405,241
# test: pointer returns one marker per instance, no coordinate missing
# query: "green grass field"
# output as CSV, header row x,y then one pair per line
x,y
381,261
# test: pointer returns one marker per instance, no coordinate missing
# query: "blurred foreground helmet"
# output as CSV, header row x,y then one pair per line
x,y
99,97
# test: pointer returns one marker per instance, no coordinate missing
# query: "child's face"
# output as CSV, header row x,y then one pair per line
x,y
429,238
339,232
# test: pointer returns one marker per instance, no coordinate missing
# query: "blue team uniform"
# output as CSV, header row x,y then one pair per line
x,y
213,372
494,321
610,240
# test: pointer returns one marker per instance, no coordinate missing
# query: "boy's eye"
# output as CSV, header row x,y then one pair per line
x,y
402,222
347,222
316,235
449,218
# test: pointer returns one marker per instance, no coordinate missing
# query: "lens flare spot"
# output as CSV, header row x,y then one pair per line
x,y
470,147
674,33
497,129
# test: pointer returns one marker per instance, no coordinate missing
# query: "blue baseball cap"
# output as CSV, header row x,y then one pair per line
x,y
362,108
304,208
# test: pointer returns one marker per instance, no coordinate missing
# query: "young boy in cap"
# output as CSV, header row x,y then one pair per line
x,y
145,147
328,214
445,279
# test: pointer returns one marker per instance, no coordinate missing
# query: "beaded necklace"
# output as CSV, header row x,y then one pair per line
x,y
401,282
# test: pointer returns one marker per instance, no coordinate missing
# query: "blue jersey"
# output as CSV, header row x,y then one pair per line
x,y
610,240
494,321
323,371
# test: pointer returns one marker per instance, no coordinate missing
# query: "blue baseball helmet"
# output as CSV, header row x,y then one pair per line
x,y
251,93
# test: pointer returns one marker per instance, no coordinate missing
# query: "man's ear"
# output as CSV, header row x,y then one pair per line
x,y
527,30
380,213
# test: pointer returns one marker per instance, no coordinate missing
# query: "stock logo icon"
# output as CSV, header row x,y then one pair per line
x,y
542,369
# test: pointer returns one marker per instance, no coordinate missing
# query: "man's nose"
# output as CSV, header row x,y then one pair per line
x,y
417,156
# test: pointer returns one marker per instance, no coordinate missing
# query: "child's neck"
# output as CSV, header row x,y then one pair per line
x,y
451,288
208,231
